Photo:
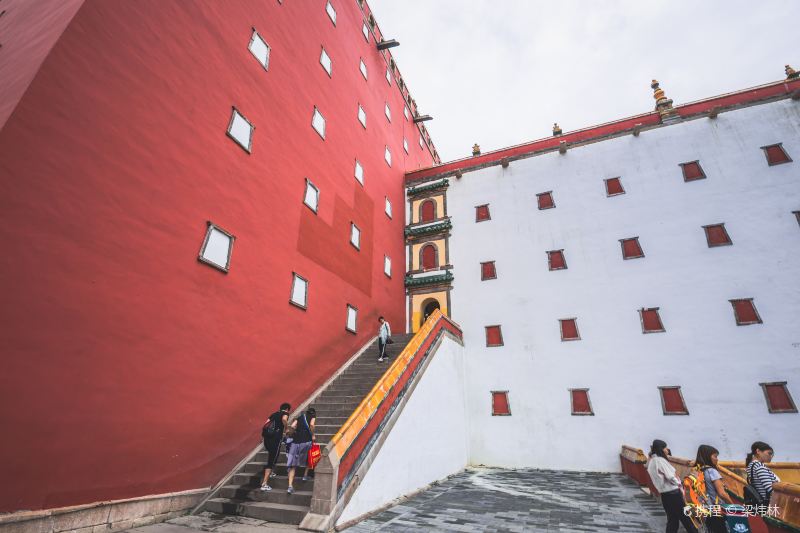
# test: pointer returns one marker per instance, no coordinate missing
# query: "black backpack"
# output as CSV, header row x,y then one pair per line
x,y
271,428
750,494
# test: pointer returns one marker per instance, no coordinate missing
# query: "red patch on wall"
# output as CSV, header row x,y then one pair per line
x,y
692,171
545,200
580,402
427,211
482,213
569,329
651,321
488,270
673,402
494,336
778,398
555,260
631,249
776,155
428,257
745,312
614,187
500,403
716,235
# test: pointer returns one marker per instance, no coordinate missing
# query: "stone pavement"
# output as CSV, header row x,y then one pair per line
x,y
487,500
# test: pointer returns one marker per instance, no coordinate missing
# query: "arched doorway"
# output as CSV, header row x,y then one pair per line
x,y
428,307
427,211
428,257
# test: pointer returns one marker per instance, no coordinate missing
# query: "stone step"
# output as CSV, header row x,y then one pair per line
x,y
235,492
331,399
280,482
271,512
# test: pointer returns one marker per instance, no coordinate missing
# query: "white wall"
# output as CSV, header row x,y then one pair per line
x,y
718,364
428,442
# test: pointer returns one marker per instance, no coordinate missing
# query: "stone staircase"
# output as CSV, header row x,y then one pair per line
x,y
334,405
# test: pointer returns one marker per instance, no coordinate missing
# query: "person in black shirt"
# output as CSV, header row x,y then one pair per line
x,y
298,450
272,433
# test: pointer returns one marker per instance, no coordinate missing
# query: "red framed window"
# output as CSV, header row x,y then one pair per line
x,y
651,320
614,187
776,154
482,213
692,171
428,257
488,271
569,329
500,406
717,235
631,249
555,260
545,200
778,398
494,336
427,211
744,311
579,399
672,401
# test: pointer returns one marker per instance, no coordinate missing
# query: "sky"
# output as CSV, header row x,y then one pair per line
x,y
500,72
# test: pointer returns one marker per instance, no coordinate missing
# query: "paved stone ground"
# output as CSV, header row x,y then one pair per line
x,y
525,500
487,500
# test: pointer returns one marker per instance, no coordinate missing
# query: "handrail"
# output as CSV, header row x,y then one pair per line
x,y
347,434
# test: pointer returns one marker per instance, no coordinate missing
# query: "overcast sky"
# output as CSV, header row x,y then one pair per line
x,y
500,72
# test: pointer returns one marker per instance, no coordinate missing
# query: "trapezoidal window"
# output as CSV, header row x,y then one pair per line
x,y
241,130
217,248
318,122
388,208
387,156
651,320
362,116
363,68
555,260
614,187
488,271
331,12
776,155
744,311
311,198
325,61
260,49
428,258
427,211
299,295
421,142
672,401
579,402
692,171
716,235
387,265
778,398
355,236
387,111
365,31
631,249
388,76
545,200
494,336
482,213
359,172
500,405
352,319
569,329
405,145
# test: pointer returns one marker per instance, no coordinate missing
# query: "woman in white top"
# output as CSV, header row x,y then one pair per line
x,y
666,482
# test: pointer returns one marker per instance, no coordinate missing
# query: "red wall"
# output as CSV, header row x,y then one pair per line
x,y
130,368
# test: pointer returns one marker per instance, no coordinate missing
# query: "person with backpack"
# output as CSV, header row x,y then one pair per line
x,y
666,482
759,476
298,450
272,433
706,467
384,338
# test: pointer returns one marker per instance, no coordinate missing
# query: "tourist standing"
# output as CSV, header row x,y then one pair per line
x,y
272,433
707,458
384,334
298,450
666,482
759,476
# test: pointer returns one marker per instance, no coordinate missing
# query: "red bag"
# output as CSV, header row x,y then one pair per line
x,y
314,455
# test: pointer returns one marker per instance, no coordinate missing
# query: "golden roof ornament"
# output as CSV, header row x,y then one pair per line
x,y
476,150
791,74
663,104
556,129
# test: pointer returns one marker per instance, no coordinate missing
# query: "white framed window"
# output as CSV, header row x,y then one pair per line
x,y
421,142
311,197
355,236
359,172
405,112
388,75
299,295
363,68
387,265
388,208
260,49
352,318
318,122
325,61
362,116
387,111
241,130
331,12
365,31
387,155
405,145
217,247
